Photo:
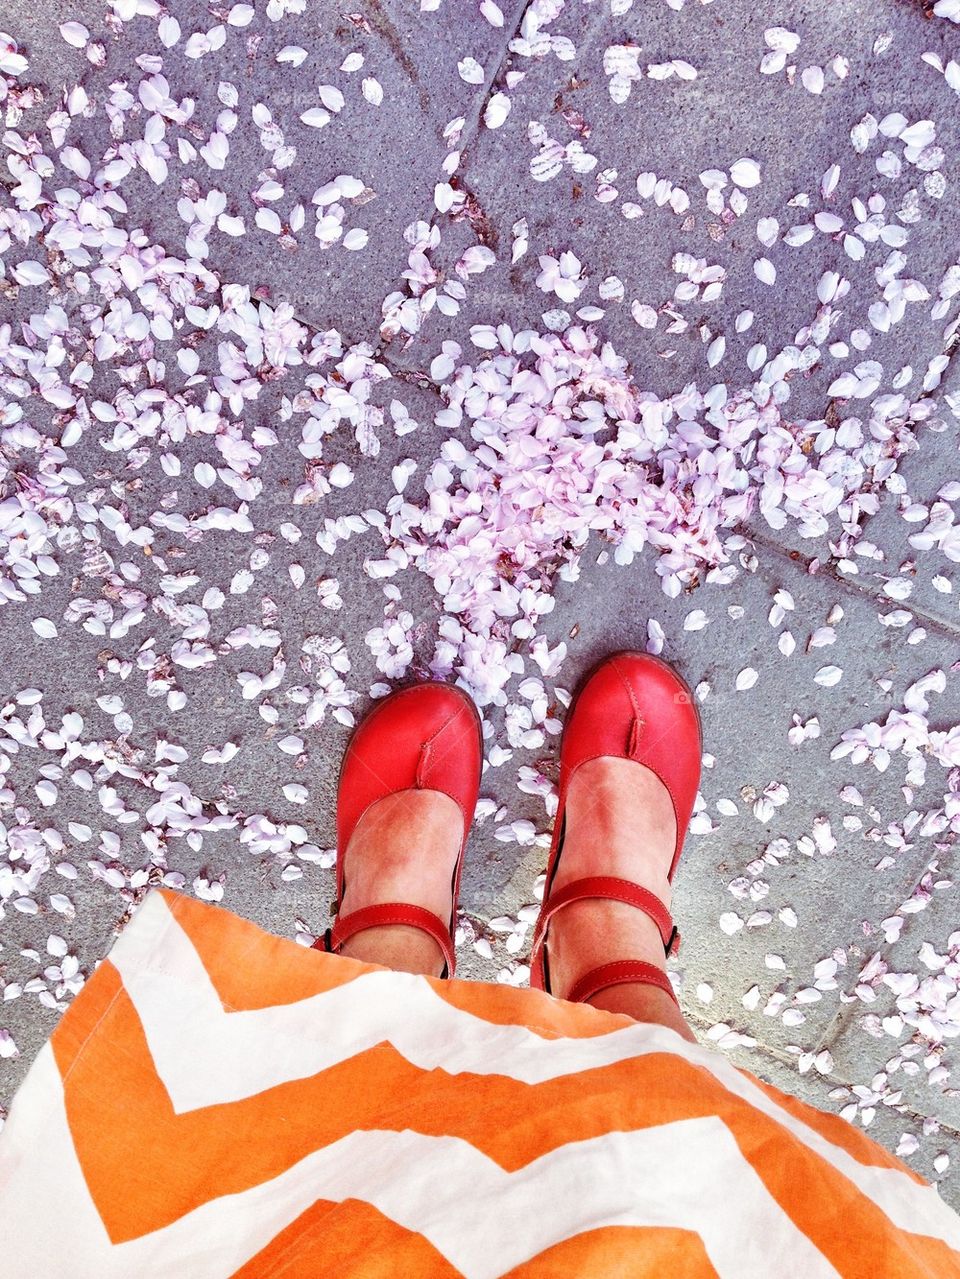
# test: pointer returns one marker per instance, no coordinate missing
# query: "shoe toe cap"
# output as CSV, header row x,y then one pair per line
x,y
424,737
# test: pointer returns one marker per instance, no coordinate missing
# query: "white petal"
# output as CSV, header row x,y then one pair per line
x,y
745,173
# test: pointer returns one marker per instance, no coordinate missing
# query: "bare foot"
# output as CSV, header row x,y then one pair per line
x,y
403,849
620,821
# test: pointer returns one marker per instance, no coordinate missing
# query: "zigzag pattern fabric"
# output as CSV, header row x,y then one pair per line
x,y
221,1102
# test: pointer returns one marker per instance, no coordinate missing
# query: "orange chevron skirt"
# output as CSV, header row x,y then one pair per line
x,y
221,1102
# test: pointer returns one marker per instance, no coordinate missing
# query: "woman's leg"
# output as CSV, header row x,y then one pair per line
x,y
620,821
384,862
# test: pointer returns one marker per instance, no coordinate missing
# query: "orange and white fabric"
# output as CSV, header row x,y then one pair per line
x,y
221,1102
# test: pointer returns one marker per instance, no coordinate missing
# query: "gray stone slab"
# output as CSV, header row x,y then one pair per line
x,y
897,1041
886,561
680,128
79,667
404,50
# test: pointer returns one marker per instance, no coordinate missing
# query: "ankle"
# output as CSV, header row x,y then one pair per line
x,y
643,1003
397,946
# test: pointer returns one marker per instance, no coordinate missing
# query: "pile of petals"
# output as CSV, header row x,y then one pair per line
x,y
551,441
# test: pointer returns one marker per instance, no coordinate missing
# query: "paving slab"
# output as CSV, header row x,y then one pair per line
x,y
899,552
680,128
401,93
895,1037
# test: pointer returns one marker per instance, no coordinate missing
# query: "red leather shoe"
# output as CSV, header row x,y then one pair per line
x,y
424,737
631,706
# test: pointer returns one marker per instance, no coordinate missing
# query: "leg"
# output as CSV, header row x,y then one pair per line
x,y
384,861
620,821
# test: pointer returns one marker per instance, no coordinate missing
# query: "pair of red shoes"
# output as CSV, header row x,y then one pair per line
x,y
428,737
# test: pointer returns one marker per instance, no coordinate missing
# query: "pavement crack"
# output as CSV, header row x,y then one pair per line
x,y
851,584
385,28
470,129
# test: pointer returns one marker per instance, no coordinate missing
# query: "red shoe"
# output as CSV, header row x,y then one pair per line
x,y
632,706
424,737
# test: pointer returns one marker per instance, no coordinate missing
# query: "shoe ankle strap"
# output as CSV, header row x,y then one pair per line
x,y
619,973
615,889
345,926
